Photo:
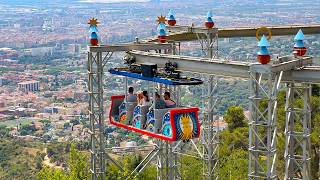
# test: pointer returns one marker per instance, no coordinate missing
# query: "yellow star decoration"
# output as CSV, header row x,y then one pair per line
x,y
93,22
161,19
186,126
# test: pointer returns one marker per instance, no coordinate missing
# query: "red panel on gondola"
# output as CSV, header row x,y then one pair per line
x,y
184,122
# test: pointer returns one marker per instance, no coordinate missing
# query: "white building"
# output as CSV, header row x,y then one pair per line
x,y
27,86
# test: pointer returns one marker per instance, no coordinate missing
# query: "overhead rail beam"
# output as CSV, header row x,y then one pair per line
x,y
288,65
296,69
129,47
190,33
192,29
194,64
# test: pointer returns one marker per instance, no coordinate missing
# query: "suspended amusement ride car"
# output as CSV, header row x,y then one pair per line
x,y
171,124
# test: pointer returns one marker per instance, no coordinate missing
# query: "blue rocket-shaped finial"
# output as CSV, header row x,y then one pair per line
x,y
299,35
93,30
161,26
171,19
162,34
263,42
299,49
263,54
209,23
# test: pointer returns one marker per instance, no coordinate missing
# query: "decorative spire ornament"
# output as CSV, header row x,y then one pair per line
x,y
93,30
171,19
162,34
209,23
299,49
161,19
263,55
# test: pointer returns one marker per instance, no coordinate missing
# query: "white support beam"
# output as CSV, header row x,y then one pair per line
x,y
195,64
129,47
190,33
308,74
192,29
231,68
291,63
249,31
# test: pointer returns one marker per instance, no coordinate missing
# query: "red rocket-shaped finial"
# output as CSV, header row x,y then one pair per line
x,y
263,54
171,19
209,23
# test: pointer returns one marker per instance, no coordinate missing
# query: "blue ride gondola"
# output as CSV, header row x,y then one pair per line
x,y
171,124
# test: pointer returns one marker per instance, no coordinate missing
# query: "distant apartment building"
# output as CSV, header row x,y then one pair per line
x,y
74,49
3,81
29,86
40,51
50,110
47,25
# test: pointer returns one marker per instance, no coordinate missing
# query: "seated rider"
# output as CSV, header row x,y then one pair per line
x,y
143,99
146,99
139,97
159,102
169,102
130,96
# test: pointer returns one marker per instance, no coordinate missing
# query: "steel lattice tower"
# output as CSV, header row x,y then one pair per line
x,y
263,122
297,131
209,135
96,62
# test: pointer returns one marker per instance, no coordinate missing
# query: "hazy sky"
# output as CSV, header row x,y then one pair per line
x,y
112,1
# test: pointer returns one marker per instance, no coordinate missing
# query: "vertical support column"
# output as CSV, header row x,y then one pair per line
x,y
210,44
166,165
297,131
91,115
126,88
209,133
175,157
96,115
289,126
170,162
160,161
209,136
262,121
167,160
